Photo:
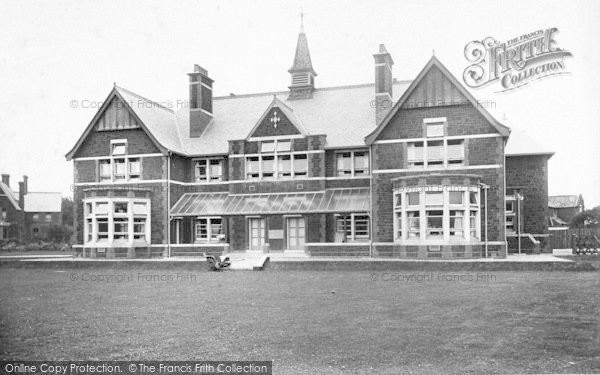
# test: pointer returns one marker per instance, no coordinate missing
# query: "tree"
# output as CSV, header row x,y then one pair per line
x,y
66,209
59,233
586,219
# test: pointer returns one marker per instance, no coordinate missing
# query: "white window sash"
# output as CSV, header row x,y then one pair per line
x,y
110,217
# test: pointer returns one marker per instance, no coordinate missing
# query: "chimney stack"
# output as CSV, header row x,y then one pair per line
x,y
383,83
21,195
201,97
25,184
6,179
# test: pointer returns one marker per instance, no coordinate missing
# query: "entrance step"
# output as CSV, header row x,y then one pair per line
x,y
248,261
288,255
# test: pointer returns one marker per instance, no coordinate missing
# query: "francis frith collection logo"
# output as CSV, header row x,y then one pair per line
x,y
514,63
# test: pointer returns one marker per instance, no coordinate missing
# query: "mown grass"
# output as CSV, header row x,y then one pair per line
x,y
307,322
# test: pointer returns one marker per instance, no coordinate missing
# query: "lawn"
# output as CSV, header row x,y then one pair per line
x,y
307,322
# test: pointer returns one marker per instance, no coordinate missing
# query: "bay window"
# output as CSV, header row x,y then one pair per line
x,y
435,215
209,229
473,223
121,221
352,163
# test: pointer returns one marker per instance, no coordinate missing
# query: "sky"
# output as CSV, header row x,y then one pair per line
x,y
54,54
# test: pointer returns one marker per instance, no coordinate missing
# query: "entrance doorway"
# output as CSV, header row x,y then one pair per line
x,y
296,233
257,233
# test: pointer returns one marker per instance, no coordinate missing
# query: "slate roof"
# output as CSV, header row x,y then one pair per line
x,y
10,194
345,114
564,201
302,62
520,144
42,202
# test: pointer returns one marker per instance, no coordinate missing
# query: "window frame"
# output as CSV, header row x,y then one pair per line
x,y
298,162
96,216
114,160
208,176
412,222
352,170
349,234
210,236
510,216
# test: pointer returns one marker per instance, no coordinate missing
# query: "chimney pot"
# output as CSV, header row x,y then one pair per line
x,y
6,179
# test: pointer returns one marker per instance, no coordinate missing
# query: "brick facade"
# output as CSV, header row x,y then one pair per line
x,y
166,178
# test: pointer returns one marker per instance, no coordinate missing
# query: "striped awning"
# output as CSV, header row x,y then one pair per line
x,y
334,200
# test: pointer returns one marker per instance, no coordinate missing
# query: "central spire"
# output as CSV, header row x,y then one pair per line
x,y
302,72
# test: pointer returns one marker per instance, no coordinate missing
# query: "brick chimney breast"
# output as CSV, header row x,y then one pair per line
x,y
201,101
384,82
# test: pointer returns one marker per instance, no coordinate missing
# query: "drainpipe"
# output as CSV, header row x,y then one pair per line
x,y
168,203
518,196
371,200
485,190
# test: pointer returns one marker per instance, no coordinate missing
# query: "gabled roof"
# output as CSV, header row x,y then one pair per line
x,y
345,114
302,62
287,111
12,197
157,121
503,130
565,201
42,202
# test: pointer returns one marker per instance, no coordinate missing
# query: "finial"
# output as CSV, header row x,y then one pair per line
x,y
301,20
432,52
114,84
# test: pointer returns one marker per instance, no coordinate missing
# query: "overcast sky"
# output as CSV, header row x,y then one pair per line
x,y
53,53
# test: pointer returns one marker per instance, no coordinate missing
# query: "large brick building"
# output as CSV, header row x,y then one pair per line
x,y
394,168
27,216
